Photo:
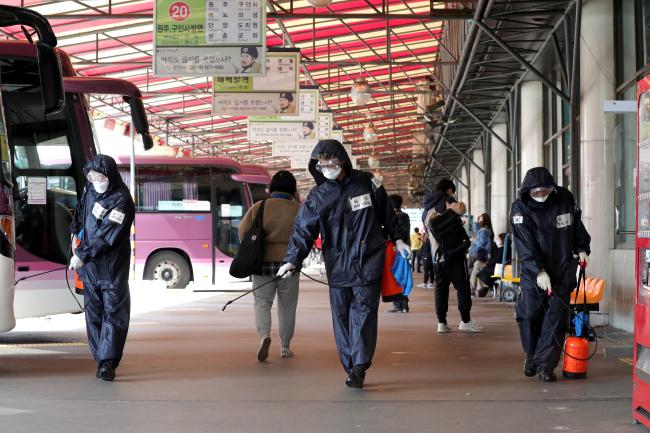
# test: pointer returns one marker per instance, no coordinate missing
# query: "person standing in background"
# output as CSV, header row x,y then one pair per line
x,y
416,245
404,226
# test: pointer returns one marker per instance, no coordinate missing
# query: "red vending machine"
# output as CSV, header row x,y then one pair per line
x,y
641,371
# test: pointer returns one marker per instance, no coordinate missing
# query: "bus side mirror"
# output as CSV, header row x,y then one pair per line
x,y
139,117
49,67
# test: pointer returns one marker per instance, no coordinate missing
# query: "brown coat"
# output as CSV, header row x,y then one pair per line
x,y
279,214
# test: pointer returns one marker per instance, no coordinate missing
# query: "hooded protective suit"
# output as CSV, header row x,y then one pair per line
x,y
547,236
349,215
105,249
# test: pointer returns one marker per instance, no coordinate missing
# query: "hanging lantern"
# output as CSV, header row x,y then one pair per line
x,y
360,91
370,133
373,160
320,3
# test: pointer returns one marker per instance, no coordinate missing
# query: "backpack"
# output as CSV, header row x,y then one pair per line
x,y
249,259
448,231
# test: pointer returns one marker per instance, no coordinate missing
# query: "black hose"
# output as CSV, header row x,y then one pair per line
x,y
276,278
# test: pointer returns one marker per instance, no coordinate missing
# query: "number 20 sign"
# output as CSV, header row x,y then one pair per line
x,y
179,11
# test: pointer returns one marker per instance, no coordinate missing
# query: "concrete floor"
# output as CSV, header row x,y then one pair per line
x,y
191,368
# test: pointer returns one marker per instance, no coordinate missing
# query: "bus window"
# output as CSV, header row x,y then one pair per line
x,y
171,189
39,142
258,191
229,208
42,222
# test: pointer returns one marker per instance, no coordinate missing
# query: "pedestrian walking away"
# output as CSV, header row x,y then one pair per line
x,y
280,210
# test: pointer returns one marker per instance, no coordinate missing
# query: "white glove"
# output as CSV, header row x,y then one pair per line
x,y
285,270
403,248
76,263
544,282
584,258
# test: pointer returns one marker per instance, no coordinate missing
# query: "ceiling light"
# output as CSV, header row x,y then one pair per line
x,y
360,91
370,133
373,160
320,3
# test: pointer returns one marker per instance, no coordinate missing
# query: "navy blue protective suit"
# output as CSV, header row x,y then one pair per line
x,y
106,252
547,236
349,215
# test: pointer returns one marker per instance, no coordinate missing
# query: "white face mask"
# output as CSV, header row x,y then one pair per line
x,y
333,173
101,187
540,199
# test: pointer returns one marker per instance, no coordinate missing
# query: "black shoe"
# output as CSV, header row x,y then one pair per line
x,y
263,351
530,369
546,375
356,378
97,373
107,371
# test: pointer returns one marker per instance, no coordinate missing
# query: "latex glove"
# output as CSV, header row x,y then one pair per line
x,y
76,263
403,248
584,258
74,242
544,282
285,270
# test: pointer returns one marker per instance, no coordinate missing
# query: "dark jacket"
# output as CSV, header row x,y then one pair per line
x,y
547,235
435,199
404,223
106,221
349,216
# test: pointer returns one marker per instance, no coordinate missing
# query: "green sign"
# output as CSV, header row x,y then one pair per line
x,y
180,23
232,84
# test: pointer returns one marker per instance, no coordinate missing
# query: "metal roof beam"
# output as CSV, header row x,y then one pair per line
x,y
434,15
449,171
523,61
465,157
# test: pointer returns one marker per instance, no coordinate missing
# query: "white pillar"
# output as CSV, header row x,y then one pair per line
x,y
499,176
462,192
477,186
532,132
597,162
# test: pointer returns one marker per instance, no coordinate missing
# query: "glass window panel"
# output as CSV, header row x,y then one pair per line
x,y
174,188
230,207
42,229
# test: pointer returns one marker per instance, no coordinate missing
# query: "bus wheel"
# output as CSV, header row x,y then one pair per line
x,y
170,267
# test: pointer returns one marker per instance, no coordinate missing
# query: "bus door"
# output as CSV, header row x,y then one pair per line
x,y
228,208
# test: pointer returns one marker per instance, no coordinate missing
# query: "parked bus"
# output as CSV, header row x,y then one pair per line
x,y
45,139
188,212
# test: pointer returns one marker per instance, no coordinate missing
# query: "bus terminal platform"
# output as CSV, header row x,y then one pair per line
x,y
188,367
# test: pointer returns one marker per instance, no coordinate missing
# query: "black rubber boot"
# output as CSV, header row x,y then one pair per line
x,y
107,371
546,375
355,378
530,369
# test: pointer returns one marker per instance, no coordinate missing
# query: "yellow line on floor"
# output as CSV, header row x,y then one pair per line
x,y
9,346
628,361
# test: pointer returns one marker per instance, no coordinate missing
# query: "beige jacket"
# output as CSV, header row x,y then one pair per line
x,y
279,214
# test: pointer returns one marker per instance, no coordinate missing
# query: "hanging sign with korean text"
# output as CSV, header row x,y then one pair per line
x,y
209,38
307,109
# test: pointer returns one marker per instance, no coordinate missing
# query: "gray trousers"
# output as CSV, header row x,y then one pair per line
x,y
287,290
